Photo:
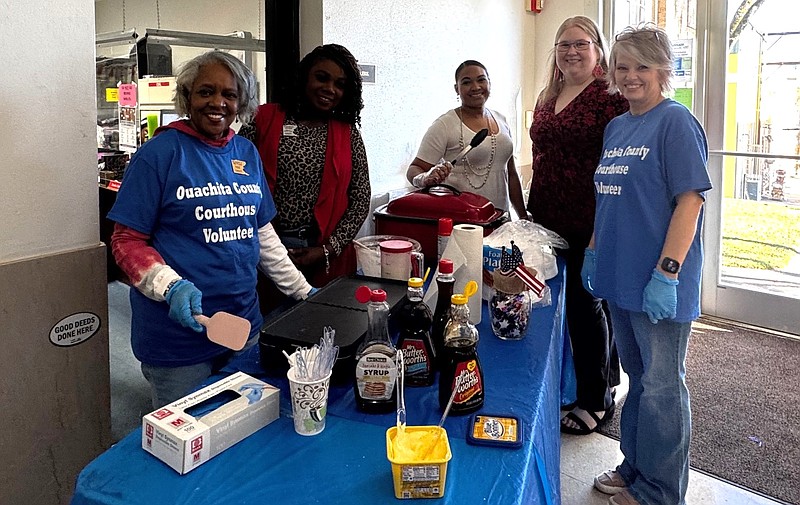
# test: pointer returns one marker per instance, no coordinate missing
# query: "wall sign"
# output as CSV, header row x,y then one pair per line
x,y
127,95
112,95
74,329
683,50
367,73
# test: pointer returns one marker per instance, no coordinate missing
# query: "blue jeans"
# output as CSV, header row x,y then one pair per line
x,y
168,384
655,425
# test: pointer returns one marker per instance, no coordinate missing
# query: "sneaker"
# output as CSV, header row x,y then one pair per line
x,y
623,498
610,482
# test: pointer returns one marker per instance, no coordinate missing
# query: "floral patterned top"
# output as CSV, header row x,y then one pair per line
x,y
566,151
301,158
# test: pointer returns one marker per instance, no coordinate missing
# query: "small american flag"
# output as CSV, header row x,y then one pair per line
x,y
511,263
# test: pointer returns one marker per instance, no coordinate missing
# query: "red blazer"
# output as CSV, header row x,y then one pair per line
x,y
333,197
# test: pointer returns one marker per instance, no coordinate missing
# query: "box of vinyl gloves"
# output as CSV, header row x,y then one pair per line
x,y
187,433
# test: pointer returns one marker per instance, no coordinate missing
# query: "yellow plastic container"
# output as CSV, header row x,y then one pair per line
x,y
419,473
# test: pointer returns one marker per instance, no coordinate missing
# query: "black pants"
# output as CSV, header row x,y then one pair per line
x,y
591,335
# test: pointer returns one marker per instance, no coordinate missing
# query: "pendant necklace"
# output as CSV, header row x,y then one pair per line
x,y
480,172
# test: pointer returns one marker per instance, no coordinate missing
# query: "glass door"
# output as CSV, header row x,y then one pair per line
x,y
751,109
738,69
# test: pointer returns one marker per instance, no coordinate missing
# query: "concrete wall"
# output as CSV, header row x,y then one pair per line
x,y
417,45
56,408
55,400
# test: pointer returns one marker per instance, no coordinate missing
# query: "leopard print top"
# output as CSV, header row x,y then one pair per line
x,y
301,159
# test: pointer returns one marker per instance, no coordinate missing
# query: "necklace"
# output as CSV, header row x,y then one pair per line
x,y
480,172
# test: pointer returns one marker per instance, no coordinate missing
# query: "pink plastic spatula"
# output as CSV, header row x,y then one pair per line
x,y
226,329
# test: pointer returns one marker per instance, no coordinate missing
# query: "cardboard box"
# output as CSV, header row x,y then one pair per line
x,y
187,433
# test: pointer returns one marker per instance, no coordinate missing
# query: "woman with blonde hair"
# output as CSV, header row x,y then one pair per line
x,y
567,134
646,259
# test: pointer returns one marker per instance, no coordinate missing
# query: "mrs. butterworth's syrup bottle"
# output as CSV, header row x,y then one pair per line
x,y
376,370
414,319
461,368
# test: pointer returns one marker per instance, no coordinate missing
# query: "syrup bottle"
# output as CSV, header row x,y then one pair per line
x,y
415,320
445,283
376,370
461,369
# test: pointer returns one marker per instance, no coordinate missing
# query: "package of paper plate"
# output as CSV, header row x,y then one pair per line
x,y
536,242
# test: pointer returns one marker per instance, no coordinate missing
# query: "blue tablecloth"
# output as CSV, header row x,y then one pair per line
x,y
347,462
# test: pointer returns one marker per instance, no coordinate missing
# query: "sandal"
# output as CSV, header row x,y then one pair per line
x,y
572,405
587,421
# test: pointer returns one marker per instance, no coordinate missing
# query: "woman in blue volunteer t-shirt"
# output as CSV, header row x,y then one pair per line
x,y
193,224
645,258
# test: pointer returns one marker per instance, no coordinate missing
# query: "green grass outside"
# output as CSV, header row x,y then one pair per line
x,y
759,235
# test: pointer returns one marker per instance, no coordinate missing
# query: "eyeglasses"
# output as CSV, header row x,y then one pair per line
x,y
647,33
580,45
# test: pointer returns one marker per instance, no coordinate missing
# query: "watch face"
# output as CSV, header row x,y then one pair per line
x,y
670,265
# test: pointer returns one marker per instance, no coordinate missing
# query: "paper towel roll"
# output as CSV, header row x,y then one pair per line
x,y
469,239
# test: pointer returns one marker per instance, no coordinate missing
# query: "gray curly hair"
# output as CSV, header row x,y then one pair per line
x,y
245,82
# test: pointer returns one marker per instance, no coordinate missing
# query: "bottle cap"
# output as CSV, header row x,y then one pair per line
x,y
445,266
445,226
458,299
364,294
415,282
470,289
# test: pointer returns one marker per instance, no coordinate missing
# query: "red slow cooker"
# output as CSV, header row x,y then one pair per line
x,y
416,215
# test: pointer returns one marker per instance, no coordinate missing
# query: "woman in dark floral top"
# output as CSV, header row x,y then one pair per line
x,y
316,164
567,133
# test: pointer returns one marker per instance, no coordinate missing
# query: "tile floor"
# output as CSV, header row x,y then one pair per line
x,y
583,457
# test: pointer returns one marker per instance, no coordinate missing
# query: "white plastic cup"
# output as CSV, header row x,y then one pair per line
x,y
309,403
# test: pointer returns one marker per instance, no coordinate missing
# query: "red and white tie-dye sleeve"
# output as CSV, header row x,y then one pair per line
x,y
143,265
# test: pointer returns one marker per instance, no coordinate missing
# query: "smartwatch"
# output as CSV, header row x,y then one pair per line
x,y
670,265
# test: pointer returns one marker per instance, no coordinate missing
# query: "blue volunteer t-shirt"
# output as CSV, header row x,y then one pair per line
x,y
647,161
202,207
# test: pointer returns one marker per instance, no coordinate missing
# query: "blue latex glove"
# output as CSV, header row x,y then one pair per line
x,y
253,392
588,270
660,297
184,301
313,290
